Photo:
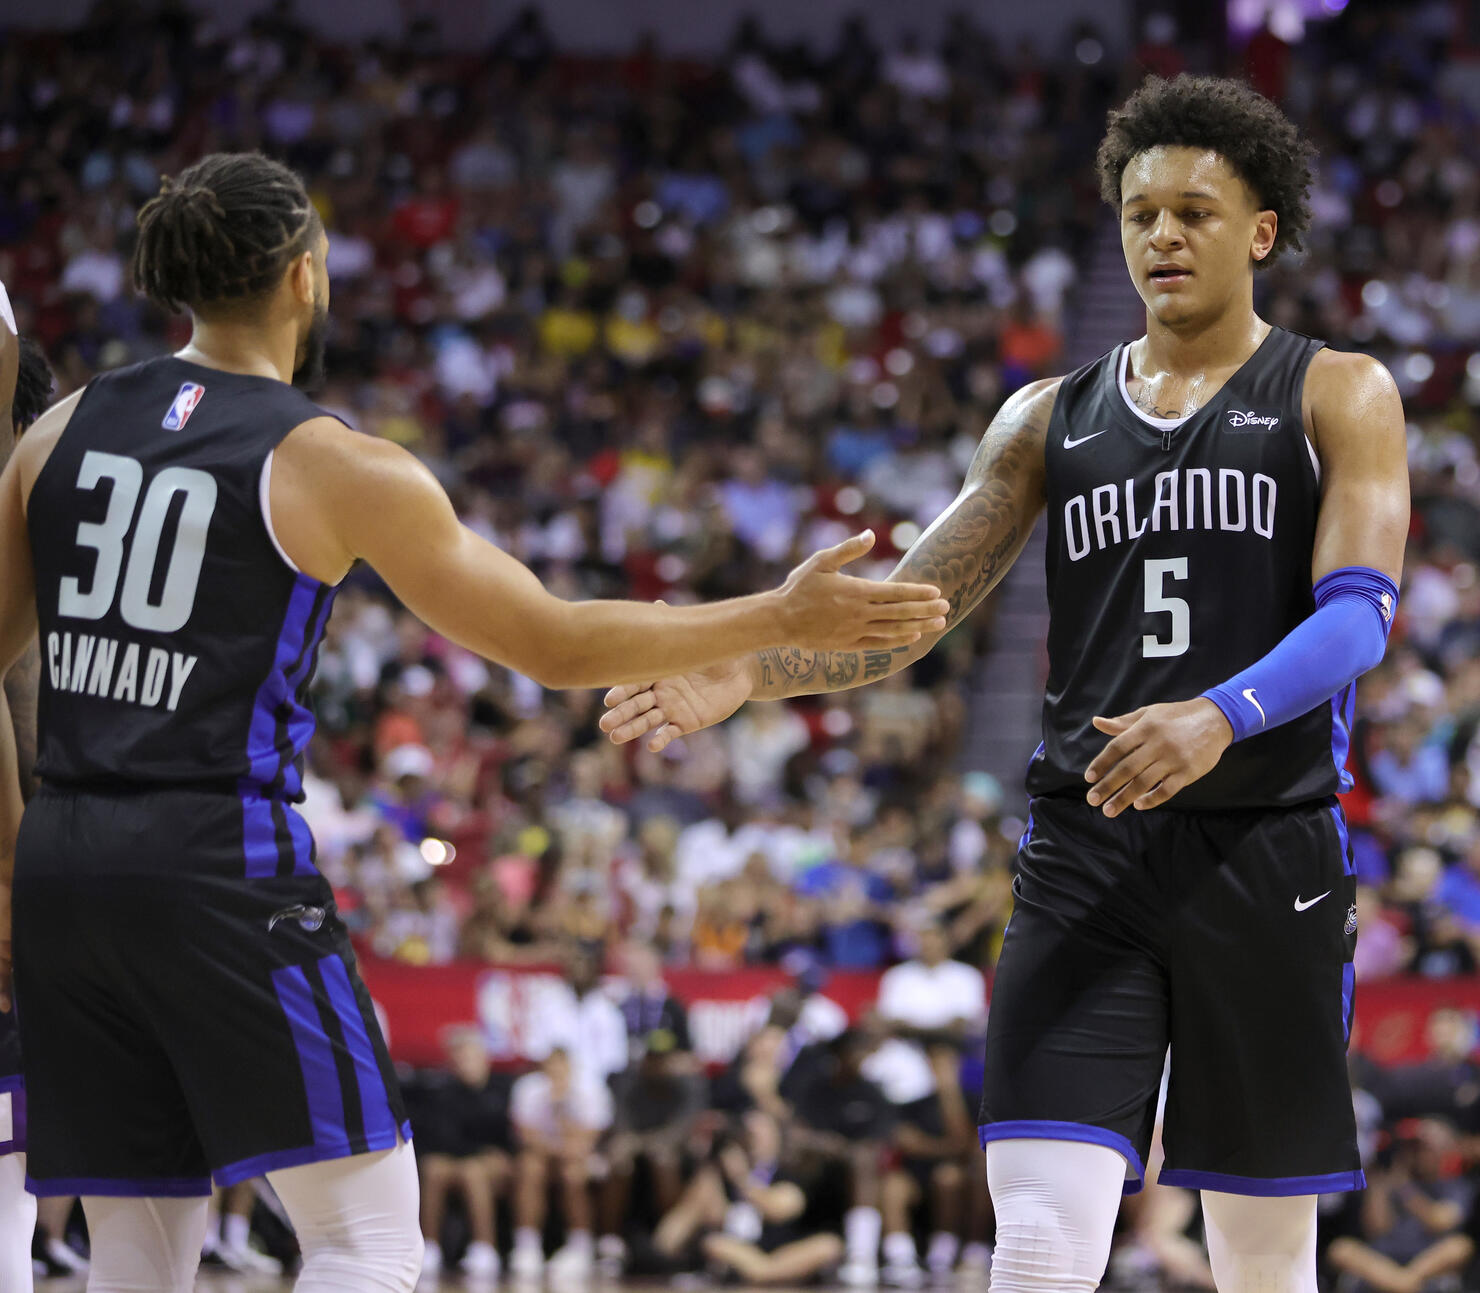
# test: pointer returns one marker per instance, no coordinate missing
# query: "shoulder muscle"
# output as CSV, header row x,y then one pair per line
x,y
36,445
1012,447
1350,394
336,496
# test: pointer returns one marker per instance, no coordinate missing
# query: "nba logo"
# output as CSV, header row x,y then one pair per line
x,y
183,407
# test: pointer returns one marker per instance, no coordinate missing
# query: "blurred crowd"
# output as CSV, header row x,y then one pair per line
x,y
661,326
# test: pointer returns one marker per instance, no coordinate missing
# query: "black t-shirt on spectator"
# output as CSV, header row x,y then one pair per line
x,y
850,1107
647,1013
453,1118
646,1104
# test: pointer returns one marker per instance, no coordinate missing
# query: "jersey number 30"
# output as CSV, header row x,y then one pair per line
x,y
108,538
1157,602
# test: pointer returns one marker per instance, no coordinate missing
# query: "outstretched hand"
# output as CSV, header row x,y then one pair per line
x,y
677,706
1156,751
823,609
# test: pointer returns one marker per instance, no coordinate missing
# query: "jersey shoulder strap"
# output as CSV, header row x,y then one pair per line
x,y
1085,383
1274,376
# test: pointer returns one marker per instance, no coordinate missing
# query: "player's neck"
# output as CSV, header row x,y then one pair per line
x,y
243,347
1190,351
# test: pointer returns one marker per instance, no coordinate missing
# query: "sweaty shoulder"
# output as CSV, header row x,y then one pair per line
x,y
1347,391
330,483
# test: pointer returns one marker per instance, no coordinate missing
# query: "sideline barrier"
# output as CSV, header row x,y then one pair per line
x,y
419,1003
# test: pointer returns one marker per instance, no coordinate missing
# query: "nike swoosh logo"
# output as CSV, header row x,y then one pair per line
x,y
1249,696
1074,444
1301,906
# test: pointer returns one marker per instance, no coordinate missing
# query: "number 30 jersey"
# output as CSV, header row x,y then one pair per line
x,y
177,641
1179,554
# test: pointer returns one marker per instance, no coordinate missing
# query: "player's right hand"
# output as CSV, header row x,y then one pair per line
x,y
674,707
823,610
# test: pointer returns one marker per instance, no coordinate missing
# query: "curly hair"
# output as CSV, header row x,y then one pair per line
x,y
221,232
34,383
1256,139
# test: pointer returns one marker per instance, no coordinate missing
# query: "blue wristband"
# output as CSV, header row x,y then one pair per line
x,y
1344,638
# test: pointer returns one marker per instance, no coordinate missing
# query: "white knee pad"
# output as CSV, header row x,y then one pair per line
x,y
356,1220
144,1245
17,1224
1261,1245
1056,1202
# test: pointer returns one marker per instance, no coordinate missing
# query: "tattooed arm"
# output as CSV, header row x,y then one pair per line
x,y
965,552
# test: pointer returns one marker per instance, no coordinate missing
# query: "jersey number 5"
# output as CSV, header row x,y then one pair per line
x,y
1157,602
108,539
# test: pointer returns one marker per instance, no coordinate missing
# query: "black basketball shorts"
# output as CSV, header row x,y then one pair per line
x,y
181,1021
1226,936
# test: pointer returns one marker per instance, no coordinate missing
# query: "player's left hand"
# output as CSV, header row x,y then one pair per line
x,y
1156,751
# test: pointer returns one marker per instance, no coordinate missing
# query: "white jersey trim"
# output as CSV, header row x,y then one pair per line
x,y
264,487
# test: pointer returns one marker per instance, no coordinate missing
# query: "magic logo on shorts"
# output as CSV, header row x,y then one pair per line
x,y
186,399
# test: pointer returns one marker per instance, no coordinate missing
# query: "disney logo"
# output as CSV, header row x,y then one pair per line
x,y
1249,418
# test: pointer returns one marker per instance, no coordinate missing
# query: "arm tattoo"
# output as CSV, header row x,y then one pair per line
x,y
967,549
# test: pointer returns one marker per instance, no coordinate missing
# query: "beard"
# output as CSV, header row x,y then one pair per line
x,y
308,373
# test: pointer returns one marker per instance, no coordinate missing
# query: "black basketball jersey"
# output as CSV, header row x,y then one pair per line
x,y
1178,555
177,641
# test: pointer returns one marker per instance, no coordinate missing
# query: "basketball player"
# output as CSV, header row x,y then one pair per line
x,y
25,389
1227,503
190,1007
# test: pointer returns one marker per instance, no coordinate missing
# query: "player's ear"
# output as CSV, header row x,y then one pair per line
x,y
301,278
1266,227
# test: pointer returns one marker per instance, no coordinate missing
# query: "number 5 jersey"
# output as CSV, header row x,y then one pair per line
x,y
1179,552
177,639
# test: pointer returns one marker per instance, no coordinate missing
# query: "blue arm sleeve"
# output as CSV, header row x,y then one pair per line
x,y
1343,639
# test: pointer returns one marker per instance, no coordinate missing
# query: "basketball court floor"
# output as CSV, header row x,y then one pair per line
x,y
217,1282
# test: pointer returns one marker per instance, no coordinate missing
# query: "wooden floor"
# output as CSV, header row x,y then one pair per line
x,y
218,1282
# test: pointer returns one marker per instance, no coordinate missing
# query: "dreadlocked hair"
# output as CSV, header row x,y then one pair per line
x,y
220,232
1243,127
34,383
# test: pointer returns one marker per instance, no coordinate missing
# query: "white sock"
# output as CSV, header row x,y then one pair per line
x,y
235,1230
356,1220
1257,1244
861,1229
1056,1202
144,1243
17,1221
899,1249
579,1241
942,1255
976,1254
527,1237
